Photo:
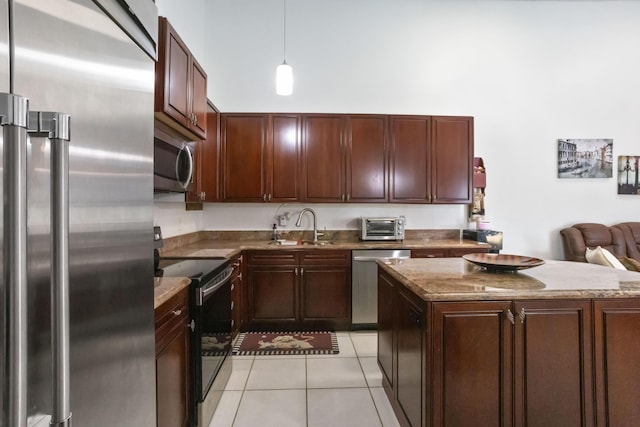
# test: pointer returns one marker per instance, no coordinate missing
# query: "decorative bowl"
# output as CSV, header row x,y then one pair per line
x,y
500,263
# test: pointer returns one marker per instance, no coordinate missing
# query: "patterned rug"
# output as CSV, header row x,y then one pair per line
x,y
285,343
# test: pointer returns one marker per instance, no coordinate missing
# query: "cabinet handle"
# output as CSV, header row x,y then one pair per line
x,y
269,196
232,305
177,312
522,315
233,286
192,325
511,317
302,271
296,271
264,197
195,119
240,276
348,197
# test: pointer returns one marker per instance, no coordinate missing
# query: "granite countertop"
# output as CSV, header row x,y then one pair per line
x,y
454,279
228,248
166,287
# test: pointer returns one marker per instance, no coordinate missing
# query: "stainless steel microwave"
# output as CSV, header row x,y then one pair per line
x,y
388,228
172,161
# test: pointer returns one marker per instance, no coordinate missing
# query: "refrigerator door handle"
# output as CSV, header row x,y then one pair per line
x,y
14,120
56,127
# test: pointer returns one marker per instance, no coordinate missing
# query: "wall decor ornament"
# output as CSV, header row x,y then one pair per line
x,y
585,158
628,174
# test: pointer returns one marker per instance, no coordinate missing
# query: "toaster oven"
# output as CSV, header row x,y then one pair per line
x,y
388,228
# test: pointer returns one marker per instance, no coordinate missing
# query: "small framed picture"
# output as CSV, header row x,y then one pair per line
x,y
628,175
585,158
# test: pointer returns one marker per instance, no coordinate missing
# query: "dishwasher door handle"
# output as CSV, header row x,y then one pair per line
x,y
373,258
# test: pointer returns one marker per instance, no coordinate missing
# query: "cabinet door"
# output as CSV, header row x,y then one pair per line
x,y
172,362
386,327
553,384
366,159
284,167
244,144
452,166
409,159
198,100
410,375
617,358
472,380
273,294
326,295
322,167
209,158
172,74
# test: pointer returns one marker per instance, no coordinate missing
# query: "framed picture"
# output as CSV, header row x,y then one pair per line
x,y
585,158
628,175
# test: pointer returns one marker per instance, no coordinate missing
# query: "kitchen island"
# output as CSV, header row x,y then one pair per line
x,y
556,345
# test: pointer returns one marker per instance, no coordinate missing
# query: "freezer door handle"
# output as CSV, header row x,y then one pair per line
x,y
14,120
57,127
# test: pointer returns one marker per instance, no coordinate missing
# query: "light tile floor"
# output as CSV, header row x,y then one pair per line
x,y
338,390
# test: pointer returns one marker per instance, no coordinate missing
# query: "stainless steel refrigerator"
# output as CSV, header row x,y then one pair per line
x,y
92,62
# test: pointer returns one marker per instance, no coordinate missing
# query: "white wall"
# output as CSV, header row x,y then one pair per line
x,y
530,72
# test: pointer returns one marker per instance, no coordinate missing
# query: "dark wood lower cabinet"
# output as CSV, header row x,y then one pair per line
x,y
299,290
553,347
509,363
472,360
617,362
172,362
410,364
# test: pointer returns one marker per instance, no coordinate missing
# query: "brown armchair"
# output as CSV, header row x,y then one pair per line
x,y
577,238
631,233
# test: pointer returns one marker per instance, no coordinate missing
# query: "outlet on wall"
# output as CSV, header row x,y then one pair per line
x,y
282,219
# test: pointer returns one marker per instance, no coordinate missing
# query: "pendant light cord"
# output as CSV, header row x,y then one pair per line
x,y
284,32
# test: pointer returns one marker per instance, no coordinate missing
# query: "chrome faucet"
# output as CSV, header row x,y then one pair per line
x,y
315,225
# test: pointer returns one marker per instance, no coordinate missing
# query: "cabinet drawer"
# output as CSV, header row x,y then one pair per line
x,y
429,253
171,316
274,257
323,256
456,253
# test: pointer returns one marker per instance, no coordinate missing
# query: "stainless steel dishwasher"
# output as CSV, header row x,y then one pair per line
x,y
364,284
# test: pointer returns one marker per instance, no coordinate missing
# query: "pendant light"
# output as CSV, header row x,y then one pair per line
x,y
284,72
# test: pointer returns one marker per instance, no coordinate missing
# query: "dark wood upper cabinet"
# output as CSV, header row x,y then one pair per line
x,y
366,159
452,154
244,147
409,159
322,158
261,157
181,85
284,158
209,158
431,159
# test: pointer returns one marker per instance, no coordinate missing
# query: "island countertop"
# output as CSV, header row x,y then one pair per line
x,y
454,279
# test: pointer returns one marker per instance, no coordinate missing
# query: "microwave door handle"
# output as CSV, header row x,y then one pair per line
x,y
14,121
187,181
56,127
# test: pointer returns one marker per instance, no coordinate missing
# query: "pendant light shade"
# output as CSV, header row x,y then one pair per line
x,y
284,79
284,72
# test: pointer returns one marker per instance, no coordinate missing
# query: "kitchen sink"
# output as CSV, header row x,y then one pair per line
x,y
301,243
318,243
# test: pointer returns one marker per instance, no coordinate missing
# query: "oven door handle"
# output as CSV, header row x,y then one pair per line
x,y
207,290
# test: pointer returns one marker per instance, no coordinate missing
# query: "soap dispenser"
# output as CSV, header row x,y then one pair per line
x,y
274,235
